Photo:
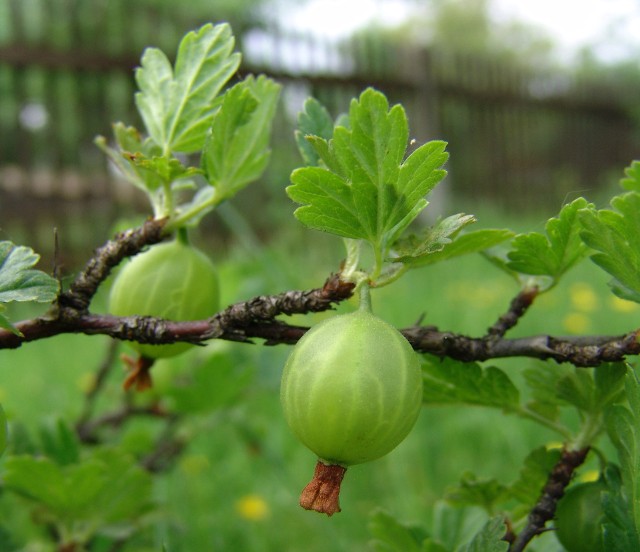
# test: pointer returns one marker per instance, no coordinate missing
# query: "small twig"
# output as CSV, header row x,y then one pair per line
x,y
581,351
102,372
115,419
229,324
256,318
168,447
517,309
553,491
236,324
78,297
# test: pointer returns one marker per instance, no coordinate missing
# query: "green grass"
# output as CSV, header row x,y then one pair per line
x,y
236,487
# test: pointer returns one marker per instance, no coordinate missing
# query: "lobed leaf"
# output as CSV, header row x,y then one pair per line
x,y
60,443
533,475
365,190
435,245
177,104
432,239
471,491
313,120
553,253
619,530
449,381
236,150
160,169
131,144
20,282
69,494
490,538
589,390
389,535
615,235
623,428
632,177
578,389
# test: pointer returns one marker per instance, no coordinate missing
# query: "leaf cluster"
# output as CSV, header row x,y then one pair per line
x,y
621,504
592,393
390,535
81,496
189,108
361,183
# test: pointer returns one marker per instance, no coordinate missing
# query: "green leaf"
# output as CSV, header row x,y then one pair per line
x,y
632,180
432,239
533,475
4,431
6,540
499,257
236,151
389,535
588,389
553,253
430,545
131,144
313,120
128,493
60,443
578,388
66,493
623,428
449,381
489,538
620,532
472,491
543,382
367,190
610,382
463,244
6,324
70,494
20,282
177,104
592,390
160,169
616,237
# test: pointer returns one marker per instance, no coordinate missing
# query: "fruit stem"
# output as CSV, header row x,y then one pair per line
x,y
182,236
322,494
365,297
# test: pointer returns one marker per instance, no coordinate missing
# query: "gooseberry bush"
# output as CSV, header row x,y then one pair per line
x,y
353,385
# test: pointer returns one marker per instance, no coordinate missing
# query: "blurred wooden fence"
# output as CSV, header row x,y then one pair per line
x,y
517,138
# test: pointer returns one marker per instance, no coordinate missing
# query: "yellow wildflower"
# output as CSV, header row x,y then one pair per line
x,y
252,507
622,305
583,298
576,323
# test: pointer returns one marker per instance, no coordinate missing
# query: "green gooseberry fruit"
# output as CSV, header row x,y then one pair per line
x,y
4,431
579,517
351,392
171,280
